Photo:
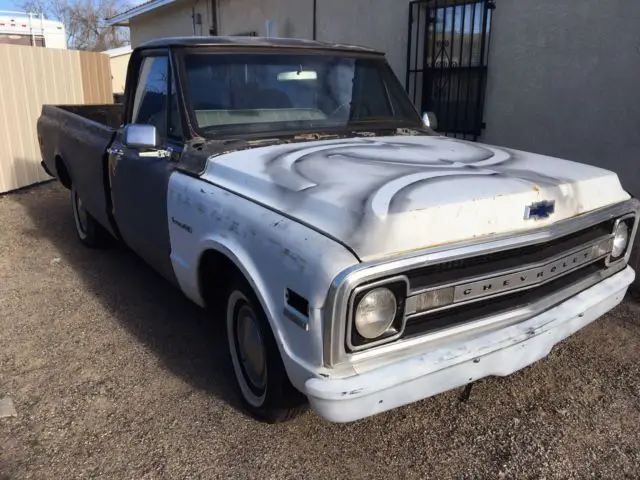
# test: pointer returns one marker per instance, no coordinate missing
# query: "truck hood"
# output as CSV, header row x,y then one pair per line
x,y
390,195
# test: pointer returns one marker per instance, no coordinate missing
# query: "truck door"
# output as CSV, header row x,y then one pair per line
x,y
139,183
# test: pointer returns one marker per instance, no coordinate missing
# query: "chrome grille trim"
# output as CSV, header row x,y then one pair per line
x,y
598,249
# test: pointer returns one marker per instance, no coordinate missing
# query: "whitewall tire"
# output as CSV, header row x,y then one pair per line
x,y
261,379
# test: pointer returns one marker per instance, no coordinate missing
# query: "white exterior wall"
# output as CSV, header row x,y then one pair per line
x,y
564,80
171,21
379,24
293,18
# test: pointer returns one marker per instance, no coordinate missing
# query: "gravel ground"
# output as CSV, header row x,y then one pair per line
x,y
114,374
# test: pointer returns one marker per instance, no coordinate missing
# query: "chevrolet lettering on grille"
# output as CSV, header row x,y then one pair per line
x,y
532,276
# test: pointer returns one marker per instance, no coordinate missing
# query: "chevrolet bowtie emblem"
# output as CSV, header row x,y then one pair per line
x,y
540,210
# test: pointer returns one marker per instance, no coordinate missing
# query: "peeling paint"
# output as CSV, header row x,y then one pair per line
x,y
408,131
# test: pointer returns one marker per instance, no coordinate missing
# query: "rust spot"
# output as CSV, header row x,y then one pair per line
x,y
315,136
351,392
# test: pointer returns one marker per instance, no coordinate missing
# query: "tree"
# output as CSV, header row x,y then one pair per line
x,y
84,21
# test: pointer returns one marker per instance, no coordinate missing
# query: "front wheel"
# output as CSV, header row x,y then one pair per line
x,y
89,231
265,389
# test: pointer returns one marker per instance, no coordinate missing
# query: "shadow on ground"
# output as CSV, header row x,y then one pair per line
x,y
181,335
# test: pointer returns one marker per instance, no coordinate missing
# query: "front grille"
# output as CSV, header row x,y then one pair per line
x,y
430,322
487,266
482,285
454,271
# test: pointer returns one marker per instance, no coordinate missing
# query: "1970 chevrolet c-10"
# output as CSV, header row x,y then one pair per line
x,y
360,260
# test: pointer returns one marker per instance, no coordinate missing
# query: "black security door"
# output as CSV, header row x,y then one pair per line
x,y
447,59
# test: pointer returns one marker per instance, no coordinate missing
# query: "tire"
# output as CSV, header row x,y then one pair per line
x,y
89,231
261,379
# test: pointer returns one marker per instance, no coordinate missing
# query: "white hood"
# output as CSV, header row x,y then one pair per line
x,y
389,195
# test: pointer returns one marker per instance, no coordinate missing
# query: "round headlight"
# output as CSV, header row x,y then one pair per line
x,y
620,240
375,313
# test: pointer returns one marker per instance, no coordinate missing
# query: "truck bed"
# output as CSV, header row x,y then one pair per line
x,y
73,141
107,114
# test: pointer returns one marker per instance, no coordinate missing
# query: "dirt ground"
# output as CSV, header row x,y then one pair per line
x,y
114,374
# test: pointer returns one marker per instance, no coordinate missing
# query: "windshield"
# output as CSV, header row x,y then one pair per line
x,y
255,93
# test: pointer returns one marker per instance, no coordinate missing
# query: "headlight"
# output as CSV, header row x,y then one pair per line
x,y
620,240
375,313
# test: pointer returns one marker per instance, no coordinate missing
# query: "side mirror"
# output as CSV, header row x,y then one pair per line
x,y
430,120
140,136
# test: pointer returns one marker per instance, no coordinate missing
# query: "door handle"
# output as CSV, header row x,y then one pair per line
x,y
156,153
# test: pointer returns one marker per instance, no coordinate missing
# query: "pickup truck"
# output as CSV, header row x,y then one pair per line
x,y
359,260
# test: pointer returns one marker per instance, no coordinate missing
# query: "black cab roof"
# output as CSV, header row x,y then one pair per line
x,y
252,42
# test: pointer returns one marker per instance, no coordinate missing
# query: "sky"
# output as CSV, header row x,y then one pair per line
x,y
9,5
13,4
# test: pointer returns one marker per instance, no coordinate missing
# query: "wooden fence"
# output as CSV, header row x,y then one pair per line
x,y
29,78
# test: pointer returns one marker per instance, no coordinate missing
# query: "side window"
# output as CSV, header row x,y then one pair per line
x,y
150,103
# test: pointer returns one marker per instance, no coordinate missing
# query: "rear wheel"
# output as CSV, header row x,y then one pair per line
x,y
89,231
262,381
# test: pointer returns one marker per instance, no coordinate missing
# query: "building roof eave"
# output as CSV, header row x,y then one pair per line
x,y
122,19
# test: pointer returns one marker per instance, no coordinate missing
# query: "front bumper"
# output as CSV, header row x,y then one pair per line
x,y
498,353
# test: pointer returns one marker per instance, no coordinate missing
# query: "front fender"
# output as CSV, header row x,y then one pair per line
x,y
273,252
259,282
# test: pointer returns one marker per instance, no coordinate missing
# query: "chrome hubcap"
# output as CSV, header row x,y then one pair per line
x,y
251,348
